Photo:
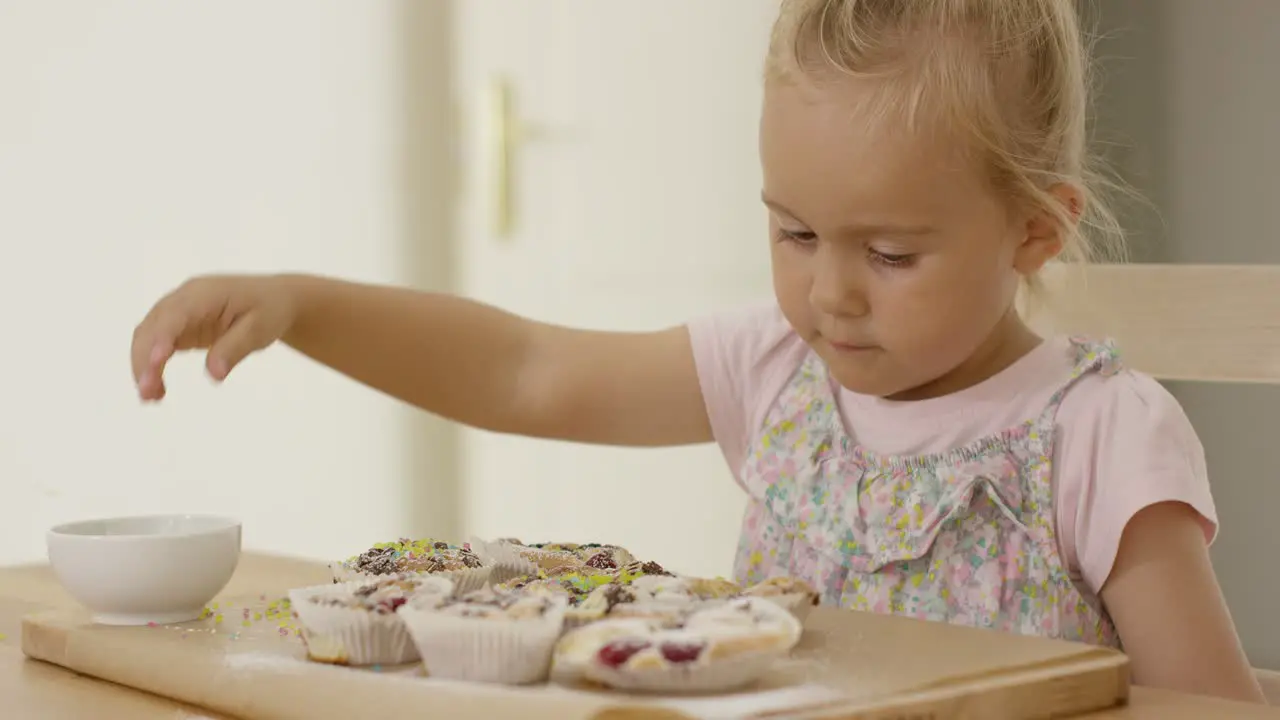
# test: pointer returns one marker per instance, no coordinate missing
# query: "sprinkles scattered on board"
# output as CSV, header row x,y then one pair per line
x,y
280,612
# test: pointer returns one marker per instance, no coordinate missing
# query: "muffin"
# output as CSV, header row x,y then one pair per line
x,y
636,569
356,623
794,595
513,558
457,562
489,635
714,588
609,557
616,600
714,648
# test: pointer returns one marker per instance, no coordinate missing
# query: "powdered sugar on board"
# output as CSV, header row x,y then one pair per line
x,y
743,706
735,706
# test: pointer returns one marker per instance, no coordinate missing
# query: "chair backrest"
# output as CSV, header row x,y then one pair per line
x,y
1213,323
1217,323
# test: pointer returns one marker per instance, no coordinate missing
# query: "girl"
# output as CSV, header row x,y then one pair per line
x,y
909,446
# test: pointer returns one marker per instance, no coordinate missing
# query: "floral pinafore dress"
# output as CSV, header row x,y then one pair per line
x,y
965,536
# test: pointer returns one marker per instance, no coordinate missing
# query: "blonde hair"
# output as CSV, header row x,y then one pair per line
x,y
1013,75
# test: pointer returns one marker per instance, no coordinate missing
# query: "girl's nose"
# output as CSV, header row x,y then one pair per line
x,y
837,289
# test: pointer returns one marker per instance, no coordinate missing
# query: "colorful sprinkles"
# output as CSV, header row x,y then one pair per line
x,y
279,612
405,554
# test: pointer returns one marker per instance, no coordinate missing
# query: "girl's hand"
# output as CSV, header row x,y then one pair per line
x,y
231,316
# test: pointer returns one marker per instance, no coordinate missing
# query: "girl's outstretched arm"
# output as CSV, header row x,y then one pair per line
x,y
464,360
1164,598
488,368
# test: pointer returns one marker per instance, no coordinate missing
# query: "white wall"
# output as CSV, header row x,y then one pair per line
x,y
142,141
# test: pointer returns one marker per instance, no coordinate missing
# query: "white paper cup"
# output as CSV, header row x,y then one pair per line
x,y
343,635
509,651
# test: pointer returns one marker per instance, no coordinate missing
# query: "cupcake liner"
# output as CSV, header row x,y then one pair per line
x,y
513,560
350,636
464,580
505,558
491,649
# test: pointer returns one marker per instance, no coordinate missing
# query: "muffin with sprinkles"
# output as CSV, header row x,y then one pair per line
x,y
636,569
617,600
457,562
488,635
513,558
540,582
657,596
593,555
356,623
593,594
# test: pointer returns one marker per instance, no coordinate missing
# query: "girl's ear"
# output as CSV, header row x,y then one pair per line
x,y
1044,232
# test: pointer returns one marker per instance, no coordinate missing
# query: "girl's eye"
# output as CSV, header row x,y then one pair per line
x,y
801,237
891,259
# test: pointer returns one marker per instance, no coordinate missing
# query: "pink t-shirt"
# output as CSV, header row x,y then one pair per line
x,y
1124,442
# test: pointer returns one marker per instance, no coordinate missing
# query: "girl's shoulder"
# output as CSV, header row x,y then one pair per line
x,y
1124,443
743,357
1120,394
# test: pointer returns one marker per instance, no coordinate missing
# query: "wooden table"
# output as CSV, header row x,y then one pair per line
x,y
31,689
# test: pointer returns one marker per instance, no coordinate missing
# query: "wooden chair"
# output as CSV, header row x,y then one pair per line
x,y
1213,323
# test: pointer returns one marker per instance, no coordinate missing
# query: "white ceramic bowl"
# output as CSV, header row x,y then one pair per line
x,y
150,569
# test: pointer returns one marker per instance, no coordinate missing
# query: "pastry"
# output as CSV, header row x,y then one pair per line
x,y
715,647
594,594
513,558
458,562
636,569
489,635
604,557
797,596
714,588
356,623
607,557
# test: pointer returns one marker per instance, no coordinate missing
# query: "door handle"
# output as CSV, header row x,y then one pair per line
x,y
505,135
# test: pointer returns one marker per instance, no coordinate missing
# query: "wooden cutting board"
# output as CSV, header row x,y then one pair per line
x,y
849,666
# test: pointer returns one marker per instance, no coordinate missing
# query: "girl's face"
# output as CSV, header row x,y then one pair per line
x,y
892,256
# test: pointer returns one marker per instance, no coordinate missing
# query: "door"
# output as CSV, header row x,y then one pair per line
x,y
634,204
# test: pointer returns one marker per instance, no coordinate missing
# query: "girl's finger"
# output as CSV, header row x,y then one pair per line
x,y
235,345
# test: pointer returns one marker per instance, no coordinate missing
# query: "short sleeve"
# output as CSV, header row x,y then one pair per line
x,y
743,358
1125,444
